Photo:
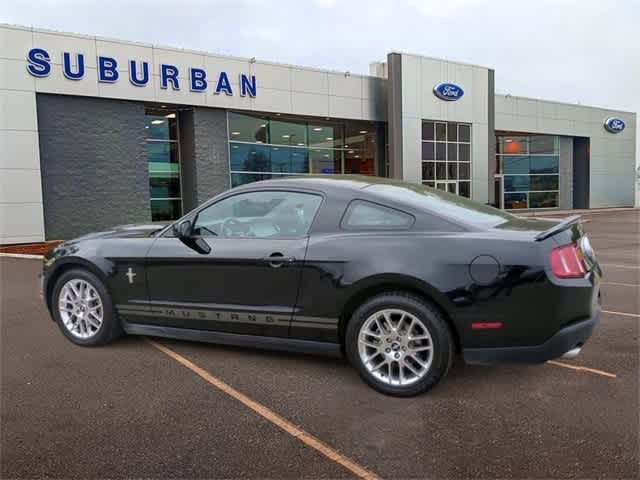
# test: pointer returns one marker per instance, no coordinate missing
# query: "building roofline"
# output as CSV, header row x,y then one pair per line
x,y
184,50
440,59
558,102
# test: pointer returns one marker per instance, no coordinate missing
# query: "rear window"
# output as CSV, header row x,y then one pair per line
x,y
447,204
361,214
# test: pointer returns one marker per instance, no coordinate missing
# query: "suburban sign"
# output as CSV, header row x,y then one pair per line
x,y
448,91
614,125
108,71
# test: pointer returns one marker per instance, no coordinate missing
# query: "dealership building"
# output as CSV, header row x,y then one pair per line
x,y
98,132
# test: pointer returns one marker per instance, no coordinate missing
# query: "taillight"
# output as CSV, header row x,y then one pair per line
x,y
566,262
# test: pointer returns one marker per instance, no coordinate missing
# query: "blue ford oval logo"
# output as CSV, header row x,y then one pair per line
x,y
614,125
448,91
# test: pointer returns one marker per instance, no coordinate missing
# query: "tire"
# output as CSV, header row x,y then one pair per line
x,y
87,319
416,359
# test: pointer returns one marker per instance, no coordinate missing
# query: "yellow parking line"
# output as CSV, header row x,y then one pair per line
x,y
270,415
583,369
625,314
618,284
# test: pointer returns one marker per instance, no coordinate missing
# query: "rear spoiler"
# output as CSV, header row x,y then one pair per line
x,y
563,225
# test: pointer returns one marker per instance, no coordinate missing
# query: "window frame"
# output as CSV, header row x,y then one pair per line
x,y
343,225
193,216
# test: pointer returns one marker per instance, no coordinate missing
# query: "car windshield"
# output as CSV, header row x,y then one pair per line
x,y
450,205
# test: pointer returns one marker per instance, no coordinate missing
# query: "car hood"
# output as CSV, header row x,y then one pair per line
x,y
125,231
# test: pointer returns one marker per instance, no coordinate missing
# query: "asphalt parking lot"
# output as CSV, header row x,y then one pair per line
x,y
132,410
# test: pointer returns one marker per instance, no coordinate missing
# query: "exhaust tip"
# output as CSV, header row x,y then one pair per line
x,y
573,353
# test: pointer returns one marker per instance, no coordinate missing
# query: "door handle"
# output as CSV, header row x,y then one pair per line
x,y
276,260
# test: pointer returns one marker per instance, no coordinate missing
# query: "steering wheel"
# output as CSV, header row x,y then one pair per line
x,y
230,226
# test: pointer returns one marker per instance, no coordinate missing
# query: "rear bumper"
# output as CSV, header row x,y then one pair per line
x,y
565,339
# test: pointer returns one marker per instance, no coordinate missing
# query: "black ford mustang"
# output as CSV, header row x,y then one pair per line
x,y
398,276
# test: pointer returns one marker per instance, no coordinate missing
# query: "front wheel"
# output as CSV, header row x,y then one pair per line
x,y
400,344
82,309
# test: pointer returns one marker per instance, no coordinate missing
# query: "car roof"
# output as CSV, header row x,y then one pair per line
x,y
320,182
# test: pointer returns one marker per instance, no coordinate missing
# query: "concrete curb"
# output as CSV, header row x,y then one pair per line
x,y
21,255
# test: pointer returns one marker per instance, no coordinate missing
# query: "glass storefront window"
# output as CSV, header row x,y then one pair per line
x,y
163,159
247,128
447,160
161,126
265,146
325,161
530,169
287,133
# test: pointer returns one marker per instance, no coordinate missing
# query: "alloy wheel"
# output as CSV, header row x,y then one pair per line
x,y
395,347
80,308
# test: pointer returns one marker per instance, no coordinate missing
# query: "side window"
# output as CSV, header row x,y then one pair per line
x,y
259,214
367,215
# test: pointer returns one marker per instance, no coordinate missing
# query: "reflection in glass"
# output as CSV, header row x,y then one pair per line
x,y
325,161
513,165
544,164
428,170
441,171
428,151
428,131
544,182
441,151
464,133
543,199
165,210
540,144
163,160
161,126
515,200
464,189
452,151
516,183
238,179
287,133
247,128
464,171
441,131
277,145
452,170
162,152
464,152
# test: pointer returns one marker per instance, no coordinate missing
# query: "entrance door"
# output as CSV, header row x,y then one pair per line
x,y
248,282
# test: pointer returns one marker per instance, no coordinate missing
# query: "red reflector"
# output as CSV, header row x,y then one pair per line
x,y
485,325
566,262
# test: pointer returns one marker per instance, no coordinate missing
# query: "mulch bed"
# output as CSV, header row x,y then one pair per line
x,y
30,248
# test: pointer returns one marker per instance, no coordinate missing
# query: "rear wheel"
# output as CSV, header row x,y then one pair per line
x,y
82,309
400,344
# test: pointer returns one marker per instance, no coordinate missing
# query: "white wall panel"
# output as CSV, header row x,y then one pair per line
x,y
21,223
343,86
310,104
310,81
14,76
56,82
20,186
18,110
345,107
19,149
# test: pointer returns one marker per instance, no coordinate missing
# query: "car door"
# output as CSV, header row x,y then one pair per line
x,y
248,282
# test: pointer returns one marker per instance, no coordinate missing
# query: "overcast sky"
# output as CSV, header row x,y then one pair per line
x,y
583,51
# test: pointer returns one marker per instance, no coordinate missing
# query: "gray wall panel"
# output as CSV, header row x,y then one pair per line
x,y
210,152
93,163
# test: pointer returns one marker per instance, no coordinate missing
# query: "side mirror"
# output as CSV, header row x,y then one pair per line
x,y
183,229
